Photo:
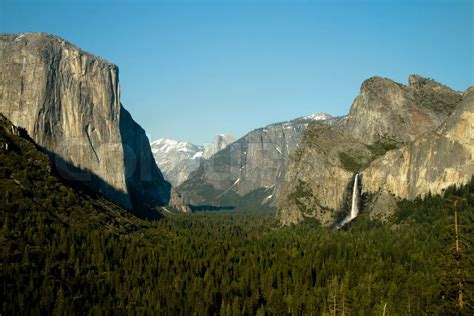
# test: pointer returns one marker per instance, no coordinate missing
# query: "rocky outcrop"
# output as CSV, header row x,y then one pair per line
x,y
404,141
69,102
320,174
219,142
386,110
178,159
252,167
432,162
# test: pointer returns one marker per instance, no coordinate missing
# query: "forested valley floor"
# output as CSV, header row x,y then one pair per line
x,y
234,263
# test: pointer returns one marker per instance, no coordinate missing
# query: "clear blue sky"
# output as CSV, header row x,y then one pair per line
x,y
190,69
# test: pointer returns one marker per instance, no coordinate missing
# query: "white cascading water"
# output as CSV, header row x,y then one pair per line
x,y
355,195
354,205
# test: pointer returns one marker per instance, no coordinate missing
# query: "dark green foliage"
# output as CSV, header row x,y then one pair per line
x,y
456,264
351,163
432,95
64,252
304,199
380,147
234,264
355,162
252,200
219,200
302,192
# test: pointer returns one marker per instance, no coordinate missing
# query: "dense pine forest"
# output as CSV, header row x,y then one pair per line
x,y
232,263
65,251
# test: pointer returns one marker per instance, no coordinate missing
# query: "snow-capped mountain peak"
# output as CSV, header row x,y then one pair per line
x,y
168,145
177,159
319,116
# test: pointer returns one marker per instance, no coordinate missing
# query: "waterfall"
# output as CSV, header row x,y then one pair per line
x,y
355,196
354,204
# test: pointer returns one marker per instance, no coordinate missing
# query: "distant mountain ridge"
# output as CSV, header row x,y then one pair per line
x,y
249,172
177,159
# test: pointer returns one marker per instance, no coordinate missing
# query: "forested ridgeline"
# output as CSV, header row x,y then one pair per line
x,y
65,252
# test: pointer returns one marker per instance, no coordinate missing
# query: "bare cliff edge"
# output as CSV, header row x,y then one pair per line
x,y
404,141
431,163
69,102
387,110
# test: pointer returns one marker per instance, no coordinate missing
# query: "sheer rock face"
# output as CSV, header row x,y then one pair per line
x,y
317,180
432,162
253,165
256,161
385,109
69,102
219,143
431,126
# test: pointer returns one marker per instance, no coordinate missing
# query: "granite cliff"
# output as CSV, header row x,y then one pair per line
x,y
30,185
69,102
432,162
319,174
387,110
404,141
